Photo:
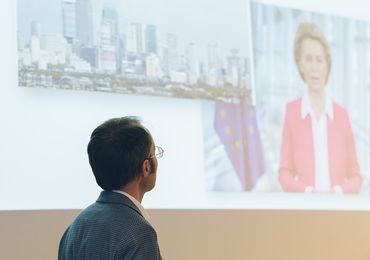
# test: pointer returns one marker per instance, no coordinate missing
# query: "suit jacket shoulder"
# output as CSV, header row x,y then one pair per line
x,y
111,228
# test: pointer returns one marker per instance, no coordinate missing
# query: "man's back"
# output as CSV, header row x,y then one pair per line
x,y
111,228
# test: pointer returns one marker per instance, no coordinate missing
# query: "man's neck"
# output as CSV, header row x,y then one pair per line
x,y
134,190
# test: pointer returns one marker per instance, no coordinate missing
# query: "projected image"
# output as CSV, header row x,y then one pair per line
x,y
162,48
312,93
233,153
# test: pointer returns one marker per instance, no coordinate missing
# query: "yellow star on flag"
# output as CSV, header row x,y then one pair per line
x,y
222,113
237,143
227,131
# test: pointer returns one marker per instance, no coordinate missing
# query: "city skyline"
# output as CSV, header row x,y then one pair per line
x,y
186,19
93,51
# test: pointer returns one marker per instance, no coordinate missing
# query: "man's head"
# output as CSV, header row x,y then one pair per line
x,y
120,151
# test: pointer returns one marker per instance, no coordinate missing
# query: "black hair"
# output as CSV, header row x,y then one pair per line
x,y
116,150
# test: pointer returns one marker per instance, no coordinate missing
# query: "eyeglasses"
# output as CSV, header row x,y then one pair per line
x,y
158,153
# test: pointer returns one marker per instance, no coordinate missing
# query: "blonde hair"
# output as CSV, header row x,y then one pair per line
x,y
310,31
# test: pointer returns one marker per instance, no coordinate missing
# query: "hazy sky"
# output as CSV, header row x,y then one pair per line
x,y
200,21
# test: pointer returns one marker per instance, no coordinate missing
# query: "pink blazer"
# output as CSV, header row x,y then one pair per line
x,y
297,161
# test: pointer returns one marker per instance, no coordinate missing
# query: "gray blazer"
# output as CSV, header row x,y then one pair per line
x,y
111,228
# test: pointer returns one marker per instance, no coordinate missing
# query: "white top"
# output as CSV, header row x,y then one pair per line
x,y
320,143
137,204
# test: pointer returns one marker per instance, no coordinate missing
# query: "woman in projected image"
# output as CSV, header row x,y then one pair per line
x,y
318,149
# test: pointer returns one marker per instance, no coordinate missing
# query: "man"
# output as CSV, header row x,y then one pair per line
x,y
123,159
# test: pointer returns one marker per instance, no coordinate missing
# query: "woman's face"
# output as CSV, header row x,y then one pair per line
x,y
313,64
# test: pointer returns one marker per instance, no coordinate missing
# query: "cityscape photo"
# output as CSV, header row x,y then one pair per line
x,y
167,48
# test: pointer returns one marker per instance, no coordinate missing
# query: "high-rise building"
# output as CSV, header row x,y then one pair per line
x,y
214,57
213,68
151,39
105,34
173,56
234,68
164,60
192,63
35,49
84,22
136,38
53,43
35,29
54,48
107,48
90,54
110,15
153,68
131,45
69,20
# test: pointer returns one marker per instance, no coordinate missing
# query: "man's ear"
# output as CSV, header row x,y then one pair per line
x,y
146,168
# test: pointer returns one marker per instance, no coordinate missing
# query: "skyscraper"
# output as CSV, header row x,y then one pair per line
x,y
121,51
35,29
214,65
173,57
69,20
234,68
84,22
151,39
107,48
192,63
110,15
136,38
35,49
